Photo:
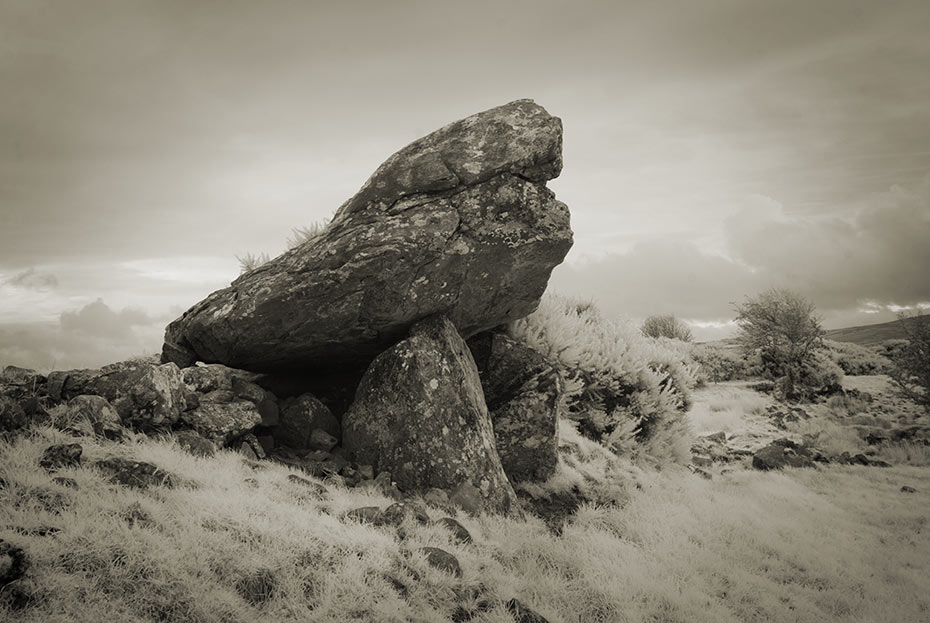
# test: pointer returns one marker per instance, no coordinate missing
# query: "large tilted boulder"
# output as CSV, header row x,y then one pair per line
x,y
420,414
459,222
523,392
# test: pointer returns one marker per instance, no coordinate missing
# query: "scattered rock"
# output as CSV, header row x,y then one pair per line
x,y
420,414
459,533
719,437
442,560
61,455
257,587
523,392
908,489
782,453
137,474
459,221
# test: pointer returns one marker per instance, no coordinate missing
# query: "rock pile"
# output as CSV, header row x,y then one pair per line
x,y
451,237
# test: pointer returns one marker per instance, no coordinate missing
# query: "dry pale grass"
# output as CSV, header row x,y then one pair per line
x,y
836,544
729,407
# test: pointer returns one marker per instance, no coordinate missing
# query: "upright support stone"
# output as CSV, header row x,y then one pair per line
x,y
419,413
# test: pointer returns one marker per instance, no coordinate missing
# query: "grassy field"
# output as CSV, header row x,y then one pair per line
x,y
238,543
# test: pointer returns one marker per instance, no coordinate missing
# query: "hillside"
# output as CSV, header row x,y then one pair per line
x,y
870,334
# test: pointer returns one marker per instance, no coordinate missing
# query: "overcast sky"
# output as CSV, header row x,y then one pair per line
x,y
713,148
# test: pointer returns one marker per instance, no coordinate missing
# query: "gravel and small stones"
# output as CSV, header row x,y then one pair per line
x,y
61,455
442,560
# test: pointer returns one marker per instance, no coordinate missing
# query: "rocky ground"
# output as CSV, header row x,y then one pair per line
x,y
739,425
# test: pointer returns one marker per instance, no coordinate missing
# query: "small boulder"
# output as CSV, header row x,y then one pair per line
x,y
12,416
782,453
459,533
395,514
442,560
321,440
908,489
299,417
103,418
420,413
13,563
221,416
251,447
136,474
194,443
61,455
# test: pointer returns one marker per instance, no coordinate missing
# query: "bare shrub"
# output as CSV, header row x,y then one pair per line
x,y
911,371
666,326
782,327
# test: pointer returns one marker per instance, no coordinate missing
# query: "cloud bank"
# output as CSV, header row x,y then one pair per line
x,y
875,260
